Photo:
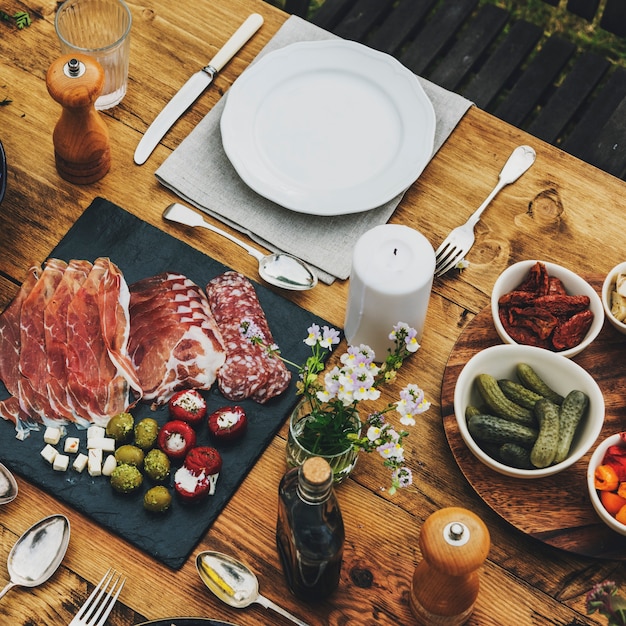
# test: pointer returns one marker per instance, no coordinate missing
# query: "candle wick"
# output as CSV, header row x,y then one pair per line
x,y
395,251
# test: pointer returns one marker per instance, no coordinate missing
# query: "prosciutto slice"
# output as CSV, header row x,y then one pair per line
x,y
175,342
98,386
10,357
56,340
33,380
248,371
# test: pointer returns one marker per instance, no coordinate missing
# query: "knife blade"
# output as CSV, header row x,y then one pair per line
x,y
194,86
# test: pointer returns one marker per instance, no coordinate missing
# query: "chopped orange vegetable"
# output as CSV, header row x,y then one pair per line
x,y
612,502
621,515
621,490
605,478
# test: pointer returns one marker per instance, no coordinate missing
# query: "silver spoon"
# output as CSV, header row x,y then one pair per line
x,y
279,269
234,583
38,553
8,485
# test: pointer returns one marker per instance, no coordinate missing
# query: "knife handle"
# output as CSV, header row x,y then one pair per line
x,y
236,42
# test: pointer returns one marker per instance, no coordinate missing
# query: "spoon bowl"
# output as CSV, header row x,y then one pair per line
x,y
279,269
8,485
38,553
235,583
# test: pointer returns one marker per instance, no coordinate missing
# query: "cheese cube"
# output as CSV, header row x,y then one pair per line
x,y
71,445
94,463
61,462
109,465
49,453
104,443
80,462
95,431
52,435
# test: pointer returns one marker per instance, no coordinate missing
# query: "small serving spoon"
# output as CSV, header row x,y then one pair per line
x,y
38,553
8,485
278,269
234,583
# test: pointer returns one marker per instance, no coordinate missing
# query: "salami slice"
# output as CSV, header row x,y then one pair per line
x,y
248,371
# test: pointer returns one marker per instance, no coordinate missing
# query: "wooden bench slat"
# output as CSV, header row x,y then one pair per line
x,y
569,97
436,34
503,62
363,16
609,151
400,26
583,8
331,13
614,17
297,7
472,43
600,118
535,81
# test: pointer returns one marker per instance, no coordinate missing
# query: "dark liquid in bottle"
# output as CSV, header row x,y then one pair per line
x,y
309,536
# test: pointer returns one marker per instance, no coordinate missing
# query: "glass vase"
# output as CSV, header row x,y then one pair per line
x,y
341,463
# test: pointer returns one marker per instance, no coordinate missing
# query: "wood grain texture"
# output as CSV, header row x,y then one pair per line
x,y
556,510
561,210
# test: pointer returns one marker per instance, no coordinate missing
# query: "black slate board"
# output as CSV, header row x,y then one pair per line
x,y
141,250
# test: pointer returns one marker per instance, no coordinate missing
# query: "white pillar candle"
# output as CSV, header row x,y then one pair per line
x,y
390,282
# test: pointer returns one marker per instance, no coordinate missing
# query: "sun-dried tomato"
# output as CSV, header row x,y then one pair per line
x,y
540,321
517,298
556,286
563,306
537,280
572,331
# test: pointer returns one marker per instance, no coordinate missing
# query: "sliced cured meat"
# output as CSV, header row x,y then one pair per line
x,y
10,357
175,342
56,340
10,333
97,387
248,371
33,381
114,307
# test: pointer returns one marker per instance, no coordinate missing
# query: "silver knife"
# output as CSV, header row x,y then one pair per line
x,y
192,89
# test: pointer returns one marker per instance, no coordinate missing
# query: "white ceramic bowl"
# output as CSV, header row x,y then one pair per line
x,y
561,374
607,288
515,274
596,459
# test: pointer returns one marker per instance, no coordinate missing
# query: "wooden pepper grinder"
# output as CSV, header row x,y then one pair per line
x,y
454,543
82,151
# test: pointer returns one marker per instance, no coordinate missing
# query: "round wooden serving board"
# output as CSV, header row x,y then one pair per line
x,y
555,509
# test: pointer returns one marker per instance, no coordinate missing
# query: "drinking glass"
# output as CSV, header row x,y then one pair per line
x,y
99,29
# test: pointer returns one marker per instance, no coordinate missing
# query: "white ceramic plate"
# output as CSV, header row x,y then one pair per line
x,y
328,127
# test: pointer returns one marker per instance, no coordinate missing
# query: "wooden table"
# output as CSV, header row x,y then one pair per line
x,y
562,210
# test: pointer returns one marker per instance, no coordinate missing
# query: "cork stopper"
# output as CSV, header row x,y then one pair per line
x,y
316,471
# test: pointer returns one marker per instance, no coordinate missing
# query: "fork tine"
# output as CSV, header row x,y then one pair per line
x,y
109,601
449,264
100,602
90,602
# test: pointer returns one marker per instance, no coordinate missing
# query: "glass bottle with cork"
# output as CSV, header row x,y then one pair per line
x,y
309,530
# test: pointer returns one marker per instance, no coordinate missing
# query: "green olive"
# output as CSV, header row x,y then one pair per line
x,y
156,465
126,478
130,455
157,499
146,432
120,427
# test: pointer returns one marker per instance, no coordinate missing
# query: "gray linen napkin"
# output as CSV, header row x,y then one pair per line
x,y
199,172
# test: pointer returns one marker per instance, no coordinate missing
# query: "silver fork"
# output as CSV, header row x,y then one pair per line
x,y
100,602
458,243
